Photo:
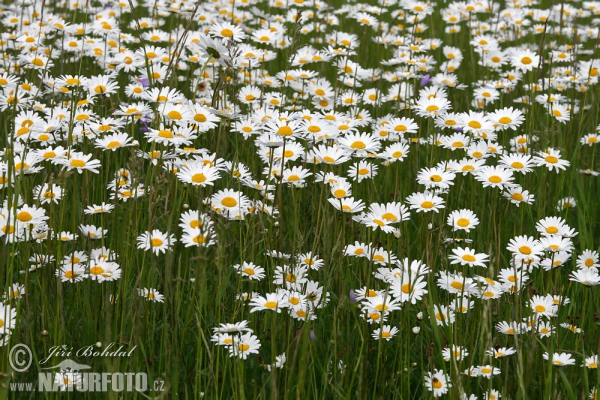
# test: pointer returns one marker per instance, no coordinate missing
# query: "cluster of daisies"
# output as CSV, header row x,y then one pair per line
x,y
167,98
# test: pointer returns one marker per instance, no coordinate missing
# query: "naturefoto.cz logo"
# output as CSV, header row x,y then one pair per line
x,y
69,375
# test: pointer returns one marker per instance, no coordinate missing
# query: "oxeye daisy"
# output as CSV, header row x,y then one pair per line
x,y
543,305
436,177
588,259
468,257
551,159
443,315
560,112
525,60
229,200
475,122
438,383
516,195
114,141
525,249
494,176
517,162
347,204
71,273
587,277
432,107
341,189
198,174
488,371
560,359
250,271
273,301
151,295
456,352
425,202
47,193
227,31
462,304
507,118
156,241
386,332
80,162
462,220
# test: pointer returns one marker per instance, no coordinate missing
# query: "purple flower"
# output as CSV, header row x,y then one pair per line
x,y
352,296
312,336
144,81
425,80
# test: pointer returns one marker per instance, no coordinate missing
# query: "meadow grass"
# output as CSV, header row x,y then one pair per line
x,y
163,294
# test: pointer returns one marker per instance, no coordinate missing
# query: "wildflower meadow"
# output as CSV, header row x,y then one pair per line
x,y
299,199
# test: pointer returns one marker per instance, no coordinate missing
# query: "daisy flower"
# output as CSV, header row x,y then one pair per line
x,y
587,277
347,204
386,332
500,352
156,241
525,60
250,271
456,352
462,220
8,317
436,177
468,257
151,295
516,195
198,174
227,31
425,202
229,200
543,305
274,302
47,193
443,315
560,112
506,118
67,380
591,362
488,371
494,176
432,107
80,162
560,359
588,259
517,162
408,288
99,208
71,273
551,159
437,382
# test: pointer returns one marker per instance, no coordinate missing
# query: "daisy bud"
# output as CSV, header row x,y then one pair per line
x,y
397,233
276,223
98,344
430,226
186,206
135,143
416,330
44,332
420,316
